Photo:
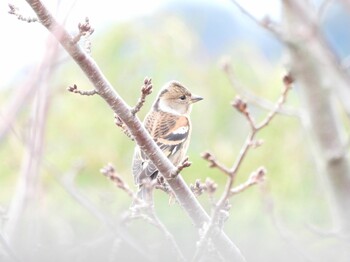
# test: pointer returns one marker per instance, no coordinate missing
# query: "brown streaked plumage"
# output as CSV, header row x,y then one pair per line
x,y
169,124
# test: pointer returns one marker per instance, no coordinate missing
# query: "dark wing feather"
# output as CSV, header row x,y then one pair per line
x,y
170,133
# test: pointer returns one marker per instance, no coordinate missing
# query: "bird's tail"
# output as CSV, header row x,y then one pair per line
x,y
145,193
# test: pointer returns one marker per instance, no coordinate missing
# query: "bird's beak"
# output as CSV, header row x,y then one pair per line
x,y
195,98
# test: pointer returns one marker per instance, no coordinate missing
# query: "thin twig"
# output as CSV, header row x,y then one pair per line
x,y
322,10
142,209
184,164
213,163
85,29
109,172
146,90
125,129
265,23
74,89
15,11
253,98
257,177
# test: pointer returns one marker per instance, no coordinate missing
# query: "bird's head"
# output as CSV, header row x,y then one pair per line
x,y
175,98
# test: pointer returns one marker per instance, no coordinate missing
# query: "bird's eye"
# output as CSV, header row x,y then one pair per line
x,y
183,97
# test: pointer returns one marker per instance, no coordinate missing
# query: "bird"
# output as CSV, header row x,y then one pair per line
x,y
168,122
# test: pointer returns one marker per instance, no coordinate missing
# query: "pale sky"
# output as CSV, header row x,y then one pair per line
x,y
23,44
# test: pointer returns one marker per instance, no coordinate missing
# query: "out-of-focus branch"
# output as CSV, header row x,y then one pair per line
x,y
286,235
28,181
182,192
253,98
146,90
322,10
265,23
319,76
143,210
9,251
109,172
67,182
309,33
257,177
15,11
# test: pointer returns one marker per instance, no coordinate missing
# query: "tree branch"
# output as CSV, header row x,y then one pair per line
x,y
143,210
219,212
253,98
74,89
182,192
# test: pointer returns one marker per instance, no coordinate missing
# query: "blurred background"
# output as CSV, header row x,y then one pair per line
x,y
53,199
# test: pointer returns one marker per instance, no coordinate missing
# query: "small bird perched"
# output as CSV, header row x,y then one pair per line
x,y
169,124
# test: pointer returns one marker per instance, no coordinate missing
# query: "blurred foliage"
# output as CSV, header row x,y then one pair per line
x,y
82,129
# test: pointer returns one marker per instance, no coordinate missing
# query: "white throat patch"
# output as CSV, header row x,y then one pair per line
x,y
165,108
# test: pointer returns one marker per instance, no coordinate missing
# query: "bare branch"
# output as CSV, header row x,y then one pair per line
x,y
184,164
214,163
146,90
288,82
85,29
219,213
67,182
209,186
141,210
252,98
9,251
74,89
255,178
322,10
109,172
15,11
266,23
125,129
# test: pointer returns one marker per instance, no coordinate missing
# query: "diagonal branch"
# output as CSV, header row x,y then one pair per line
x,y
182,192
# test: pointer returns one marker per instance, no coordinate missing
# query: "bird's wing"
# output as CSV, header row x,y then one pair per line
x,y
170,132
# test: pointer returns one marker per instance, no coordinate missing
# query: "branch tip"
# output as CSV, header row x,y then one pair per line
x,y
184,164
15,11
146,90
74,89
288,80
119,122
240,105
